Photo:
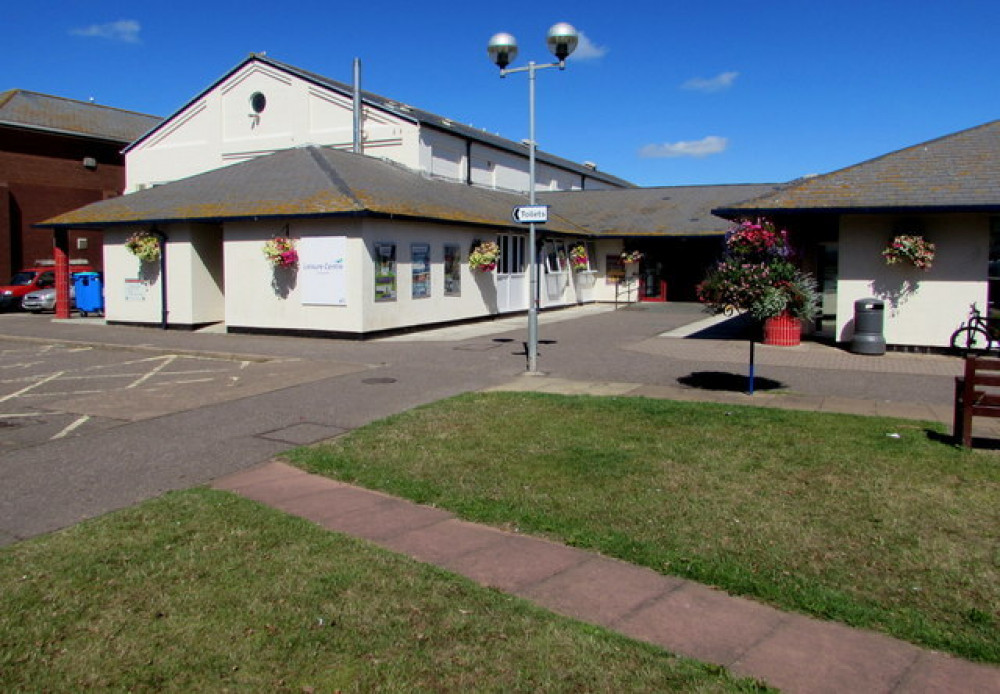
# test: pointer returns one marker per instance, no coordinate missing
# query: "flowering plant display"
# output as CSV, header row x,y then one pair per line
x,y
144,245
578,258
280,252
756,275
631,257
483,257
911,248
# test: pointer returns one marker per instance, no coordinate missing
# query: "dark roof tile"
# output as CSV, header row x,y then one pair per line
x,y
24,109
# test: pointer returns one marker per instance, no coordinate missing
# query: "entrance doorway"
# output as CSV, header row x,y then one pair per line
x,y
826,274
512,276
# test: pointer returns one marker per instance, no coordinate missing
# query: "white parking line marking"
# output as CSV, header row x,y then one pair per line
x,y
142,379
50,377
69,429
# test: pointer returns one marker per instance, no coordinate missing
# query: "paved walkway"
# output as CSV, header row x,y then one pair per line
x,y
789,651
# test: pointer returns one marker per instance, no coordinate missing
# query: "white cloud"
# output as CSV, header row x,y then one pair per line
x,y
721,81
125,30
713,144
588,50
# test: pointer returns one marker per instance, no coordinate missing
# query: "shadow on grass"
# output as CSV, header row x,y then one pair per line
x,y
978,443
720,380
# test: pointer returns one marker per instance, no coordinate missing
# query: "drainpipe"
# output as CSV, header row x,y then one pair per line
x,y
163,278
468,162
357,106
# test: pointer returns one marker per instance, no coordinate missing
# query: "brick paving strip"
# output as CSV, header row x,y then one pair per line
x,y
789,651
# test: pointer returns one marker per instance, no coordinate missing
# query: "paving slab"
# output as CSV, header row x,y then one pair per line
x,y
934,673
445,541
703,623
272,471
515,562
325,505
280,490
600,590
386,518
808,655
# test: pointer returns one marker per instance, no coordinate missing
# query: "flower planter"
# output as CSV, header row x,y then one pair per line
x,y
783,331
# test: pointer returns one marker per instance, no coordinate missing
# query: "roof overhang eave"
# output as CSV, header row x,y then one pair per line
x,y
736,212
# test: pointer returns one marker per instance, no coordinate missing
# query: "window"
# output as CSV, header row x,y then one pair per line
x,y
994,268
556,256
258,102
452,271
512,254
420,262
385,271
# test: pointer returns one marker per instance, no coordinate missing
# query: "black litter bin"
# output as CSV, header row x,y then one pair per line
x,y
89,293
869,318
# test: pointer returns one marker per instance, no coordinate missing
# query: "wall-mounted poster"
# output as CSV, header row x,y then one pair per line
x,y
615,271
452,271
322,270
136,289
420,259
385,272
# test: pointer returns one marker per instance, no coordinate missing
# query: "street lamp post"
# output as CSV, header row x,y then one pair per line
x,y
502,49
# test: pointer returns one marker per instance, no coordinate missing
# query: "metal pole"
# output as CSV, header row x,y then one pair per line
x,y
357,106
532,262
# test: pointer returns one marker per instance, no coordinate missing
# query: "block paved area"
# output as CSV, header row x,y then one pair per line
x,y
789,651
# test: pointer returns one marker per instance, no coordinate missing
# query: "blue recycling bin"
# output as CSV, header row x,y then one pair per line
x,y
89,292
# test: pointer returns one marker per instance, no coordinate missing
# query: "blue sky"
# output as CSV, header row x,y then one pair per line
x,y
659,93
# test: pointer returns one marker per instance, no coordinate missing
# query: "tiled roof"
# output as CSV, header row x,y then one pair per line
x,y
323,181
416,115
306,182
666,211
956,172
24,109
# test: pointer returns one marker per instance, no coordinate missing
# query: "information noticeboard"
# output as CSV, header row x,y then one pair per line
x,y
323,270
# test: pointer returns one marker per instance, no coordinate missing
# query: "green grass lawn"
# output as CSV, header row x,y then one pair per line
x,y
824,514
205,591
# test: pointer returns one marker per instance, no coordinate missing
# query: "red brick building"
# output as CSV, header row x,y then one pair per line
x,y
56,155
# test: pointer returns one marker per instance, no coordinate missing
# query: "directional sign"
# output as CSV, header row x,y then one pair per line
x,y
528,214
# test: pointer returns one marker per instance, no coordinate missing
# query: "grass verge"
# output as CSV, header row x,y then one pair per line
x,y
204,591
819,513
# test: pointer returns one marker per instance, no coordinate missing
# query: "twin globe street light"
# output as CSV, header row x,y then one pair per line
x,y
502,49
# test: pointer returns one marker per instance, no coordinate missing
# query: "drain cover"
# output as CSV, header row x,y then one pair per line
x,y
378,381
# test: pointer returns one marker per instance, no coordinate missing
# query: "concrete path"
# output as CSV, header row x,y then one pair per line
x,y
788,651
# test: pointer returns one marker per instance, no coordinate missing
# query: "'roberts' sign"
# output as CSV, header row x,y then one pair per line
x,y
531,214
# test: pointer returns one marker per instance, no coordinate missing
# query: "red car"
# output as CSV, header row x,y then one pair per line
x,y
29,280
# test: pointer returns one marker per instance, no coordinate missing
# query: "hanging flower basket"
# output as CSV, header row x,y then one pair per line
x,y
910,248
280,252
484,257
578,258
144,245
631,257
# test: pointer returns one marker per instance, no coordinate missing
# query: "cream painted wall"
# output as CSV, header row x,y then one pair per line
x,y
208,282
221,129
195,287
253,301
921,307
478,290
132,290
259,296
131,287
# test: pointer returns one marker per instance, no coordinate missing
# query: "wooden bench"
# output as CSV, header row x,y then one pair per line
x,y
972,399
